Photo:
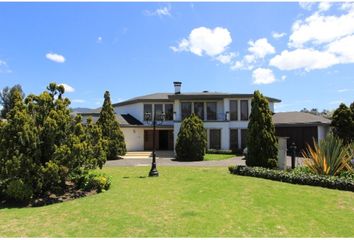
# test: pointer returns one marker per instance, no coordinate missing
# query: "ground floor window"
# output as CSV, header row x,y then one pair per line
x,y
243,138
215,139
233,139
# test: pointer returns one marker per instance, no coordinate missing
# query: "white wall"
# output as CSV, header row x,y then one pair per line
x,y
134,138
322,132
135,109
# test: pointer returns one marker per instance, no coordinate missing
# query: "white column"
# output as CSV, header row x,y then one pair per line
x,y
225,138
227,108
177,110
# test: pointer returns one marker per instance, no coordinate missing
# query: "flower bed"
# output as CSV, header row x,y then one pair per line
x,y
296,177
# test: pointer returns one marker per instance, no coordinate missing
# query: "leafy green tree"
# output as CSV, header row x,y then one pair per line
x,y
110,130
262,144
6,96
19,154
191,141
343,123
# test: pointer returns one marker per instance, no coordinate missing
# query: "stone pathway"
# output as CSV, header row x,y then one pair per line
x,y
169,162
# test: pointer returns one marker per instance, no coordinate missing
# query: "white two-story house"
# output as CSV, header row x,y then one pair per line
x,y
225,116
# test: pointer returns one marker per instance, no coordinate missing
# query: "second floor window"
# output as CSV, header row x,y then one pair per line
x,y
244,110
233,110
186,108
147,110
211,111
158,111
199,109
168,112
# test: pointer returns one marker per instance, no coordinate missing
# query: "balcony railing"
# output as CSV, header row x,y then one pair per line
x,y
220,117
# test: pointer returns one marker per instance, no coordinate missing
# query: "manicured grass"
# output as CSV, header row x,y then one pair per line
x,y
218,156
189,202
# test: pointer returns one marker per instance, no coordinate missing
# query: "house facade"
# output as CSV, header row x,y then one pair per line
x,y
225,117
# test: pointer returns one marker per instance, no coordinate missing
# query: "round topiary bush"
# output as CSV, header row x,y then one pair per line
x,y
191,141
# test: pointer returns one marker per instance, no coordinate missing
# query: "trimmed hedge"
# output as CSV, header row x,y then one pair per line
x,y
296,177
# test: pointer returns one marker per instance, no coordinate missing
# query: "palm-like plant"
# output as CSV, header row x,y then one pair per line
x,y
328,157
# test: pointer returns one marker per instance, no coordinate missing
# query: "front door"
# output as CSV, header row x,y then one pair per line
x,y
163,140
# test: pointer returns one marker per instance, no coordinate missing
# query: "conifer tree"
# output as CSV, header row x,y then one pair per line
x,y
191,142
19,155
111,131
42,146
6,96
343,123
262,145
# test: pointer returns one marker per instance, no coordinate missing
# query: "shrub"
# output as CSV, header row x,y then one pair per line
x,y
53,177
42,145
296,177
18,190
94,181
115,144
328,157
301,170
262,145
191,141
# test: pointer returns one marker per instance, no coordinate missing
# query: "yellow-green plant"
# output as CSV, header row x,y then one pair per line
x,y
328,157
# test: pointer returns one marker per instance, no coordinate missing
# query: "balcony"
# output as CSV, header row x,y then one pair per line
x,y
220,117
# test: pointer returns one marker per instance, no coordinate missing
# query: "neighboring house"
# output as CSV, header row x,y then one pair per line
x,y
225,116
301,128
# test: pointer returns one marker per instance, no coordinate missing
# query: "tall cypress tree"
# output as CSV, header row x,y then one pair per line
x,y
262,145
191,141
110,130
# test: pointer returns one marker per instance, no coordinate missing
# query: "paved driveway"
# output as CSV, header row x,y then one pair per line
x,y
169,162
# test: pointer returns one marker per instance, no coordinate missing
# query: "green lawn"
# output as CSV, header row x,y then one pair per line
x,y
189,202
218,156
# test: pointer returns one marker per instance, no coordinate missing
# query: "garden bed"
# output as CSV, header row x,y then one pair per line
x,y
70,193
296,177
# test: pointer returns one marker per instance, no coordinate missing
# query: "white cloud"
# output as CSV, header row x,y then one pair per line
x,y
283,77
308,59
257,50
278,35
207,41
4,68
343,48
164,11
67,88
99,39
237,65
261,48
324,6
344,90
226,58
319,29
263,76
306,5
55,57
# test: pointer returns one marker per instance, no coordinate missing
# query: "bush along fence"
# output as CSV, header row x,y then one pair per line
x,y
297,177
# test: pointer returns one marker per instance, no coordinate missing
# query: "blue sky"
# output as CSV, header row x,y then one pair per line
x,y
301,53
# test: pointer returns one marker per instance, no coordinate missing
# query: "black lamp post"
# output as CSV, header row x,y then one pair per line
x,y
148,117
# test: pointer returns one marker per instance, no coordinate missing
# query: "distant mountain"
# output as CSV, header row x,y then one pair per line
x,y
86,110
